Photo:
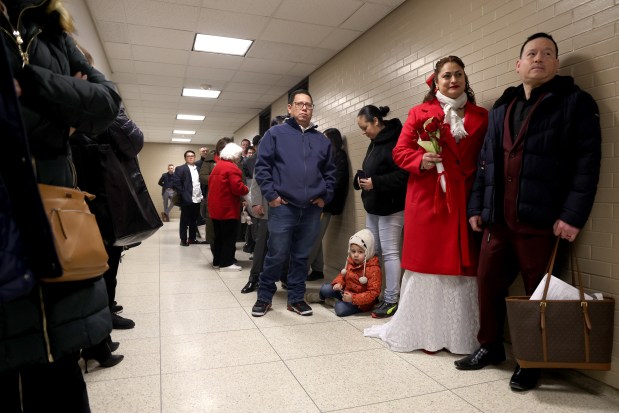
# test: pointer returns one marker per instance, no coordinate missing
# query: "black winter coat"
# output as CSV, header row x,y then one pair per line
x,y
561,158
340,189
388,179
53,320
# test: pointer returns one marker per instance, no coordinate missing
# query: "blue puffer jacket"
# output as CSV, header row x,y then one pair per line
x,y
561,158
295,165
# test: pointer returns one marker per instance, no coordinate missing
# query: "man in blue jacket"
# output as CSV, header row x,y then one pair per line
x,y
537,179
296,174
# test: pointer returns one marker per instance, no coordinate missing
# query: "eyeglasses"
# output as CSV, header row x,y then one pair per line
x,y
300,105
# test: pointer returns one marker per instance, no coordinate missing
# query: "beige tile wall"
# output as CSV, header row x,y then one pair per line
x,y
388,65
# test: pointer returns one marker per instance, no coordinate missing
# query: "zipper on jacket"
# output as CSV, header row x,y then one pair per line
x,y
48,347
16,35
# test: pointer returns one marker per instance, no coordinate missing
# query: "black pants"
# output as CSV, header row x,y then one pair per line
x,y
110,275
260,249
55,387
224,245
189,217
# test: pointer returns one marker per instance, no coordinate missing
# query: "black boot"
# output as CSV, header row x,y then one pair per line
x,y
102,354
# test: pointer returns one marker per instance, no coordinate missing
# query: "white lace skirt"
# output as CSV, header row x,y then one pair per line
x,y
435,312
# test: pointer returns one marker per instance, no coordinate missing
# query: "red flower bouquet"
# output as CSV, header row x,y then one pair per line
x,y
429,139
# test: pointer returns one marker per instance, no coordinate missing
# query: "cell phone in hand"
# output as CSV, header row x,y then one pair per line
x,y
361,174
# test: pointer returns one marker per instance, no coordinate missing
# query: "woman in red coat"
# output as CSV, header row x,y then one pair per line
x,y
225,189
438,146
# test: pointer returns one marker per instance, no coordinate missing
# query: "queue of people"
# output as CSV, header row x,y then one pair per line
x,y
519,176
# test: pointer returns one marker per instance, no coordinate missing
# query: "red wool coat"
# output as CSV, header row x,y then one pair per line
x,y
225,189
437,236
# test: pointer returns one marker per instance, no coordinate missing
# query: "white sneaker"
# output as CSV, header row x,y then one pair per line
x,y
230,268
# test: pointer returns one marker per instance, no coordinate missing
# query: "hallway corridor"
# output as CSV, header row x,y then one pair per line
x,y
196,348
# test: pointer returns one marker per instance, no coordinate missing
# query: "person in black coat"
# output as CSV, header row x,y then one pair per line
x,y
383,186
42,331
336,206
187,185
537,178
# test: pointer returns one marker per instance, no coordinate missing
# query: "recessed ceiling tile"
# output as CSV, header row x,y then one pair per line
x,y
161,81
266,66
240,96
259,78
302,69
209,74
125,78
230,24
327,12
126,88
113,32
108,10
159,37
303,34
160,98
158,14
120,65
339,39
118,50
257,7
246,87
158,90
280,51
186,2
215,60
366,17
160,55
165,69
390,3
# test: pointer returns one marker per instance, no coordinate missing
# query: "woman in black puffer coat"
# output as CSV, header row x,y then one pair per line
x,y
42,331
383,186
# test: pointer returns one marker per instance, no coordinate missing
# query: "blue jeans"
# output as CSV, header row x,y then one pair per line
x,y
387,231
292,232
342,309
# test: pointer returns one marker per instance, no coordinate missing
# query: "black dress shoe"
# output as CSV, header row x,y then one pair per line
x,y
481,358
249,287
524,379
184,244
315,275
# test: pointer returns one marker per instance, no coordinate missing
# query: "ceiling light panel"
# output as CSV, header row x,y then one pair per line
x,y
201,93
221,45
190,117
183,132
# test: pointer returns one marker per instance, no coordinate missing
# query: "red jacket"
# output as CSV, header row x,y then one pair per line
x,y
225,189
363,295
437,241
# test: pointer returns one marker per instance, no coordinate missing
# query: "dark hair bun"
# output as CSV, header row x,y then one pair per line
x,y
383,110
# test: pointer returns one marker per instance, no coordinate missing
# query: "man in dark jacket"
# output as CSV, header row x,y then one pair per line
x,y
187,185
296,173
167,192
537,179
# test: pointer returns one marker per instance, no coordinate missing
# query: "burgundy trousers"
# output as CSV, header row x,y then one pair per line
x,y
504,252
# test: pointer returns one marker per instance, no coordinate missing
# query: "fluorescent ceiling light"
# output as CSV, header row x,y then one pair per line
x,y
201,93
181,140
190,117
223,45
184,132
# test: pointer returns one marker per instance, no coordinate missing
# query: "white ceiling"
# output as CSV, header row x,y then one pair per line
x,y
148,44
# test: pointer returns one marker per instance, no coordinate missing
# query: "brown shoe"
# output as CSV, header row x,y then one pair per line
x,y
163,216
167,217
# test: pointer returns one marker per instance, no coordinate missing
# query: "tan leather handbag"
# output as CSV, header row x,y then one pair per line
x,y
77,238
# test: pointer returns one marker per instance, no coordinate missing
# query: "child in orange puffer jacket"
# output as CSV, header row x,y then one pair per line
x,y
358,285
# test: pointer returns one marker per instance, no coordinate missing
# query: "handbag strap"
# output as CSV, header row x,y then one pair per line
x,y
549,268
583,303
